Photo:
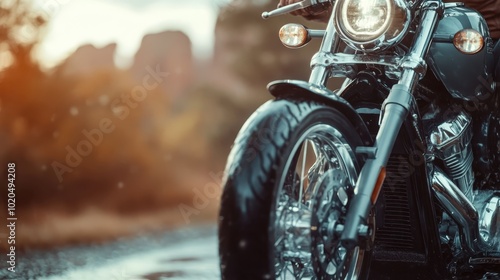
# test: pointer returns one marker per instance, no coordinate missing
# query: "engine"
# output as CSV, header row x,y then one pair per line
x,y
463,149
451,141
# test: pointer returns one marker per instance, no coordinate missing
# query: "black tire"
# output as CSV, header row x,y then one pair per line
x,y
253,172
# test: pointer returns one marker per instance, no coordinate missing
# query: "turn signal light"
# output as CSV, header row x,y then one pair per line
x,y
294,35
468,41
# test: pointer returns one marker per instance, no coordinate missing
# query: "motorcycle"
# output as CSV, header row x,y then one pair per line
x,y
393,175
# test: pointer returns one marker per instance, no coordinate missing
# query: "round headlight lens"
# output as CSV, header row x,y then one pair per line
x,y
365,20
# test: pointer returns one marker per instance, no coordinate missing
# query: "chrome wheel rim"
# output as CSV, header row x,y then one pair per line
x,y
320,149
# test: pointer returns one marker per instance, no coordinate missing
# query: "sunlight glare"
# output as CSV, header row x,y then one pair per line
x,y
79,22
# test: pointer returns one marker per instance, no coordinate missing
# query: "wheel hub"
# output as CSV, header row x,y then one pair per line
x,y
329,208
303,246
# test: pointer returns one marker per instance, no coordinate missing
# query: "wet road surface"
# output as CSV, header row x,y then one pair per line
x,y
186,254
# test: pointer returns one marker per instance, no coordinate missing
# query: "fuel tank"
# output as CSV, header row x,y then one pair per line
x,y
465,76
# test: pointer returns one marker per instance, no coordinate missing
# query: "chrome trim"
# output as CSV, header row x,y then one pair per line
x,y
486,260
452,5
433,4
334,59
489,225
415,63
330,44
340,63
460,209
452,136
315,33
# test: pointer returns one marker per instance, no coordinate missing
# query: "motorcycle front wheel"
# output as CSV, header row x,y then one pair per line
x,y
289,180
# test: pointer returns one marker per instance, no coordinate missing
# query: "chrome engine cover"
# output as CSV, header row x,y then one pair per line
x,y
451,142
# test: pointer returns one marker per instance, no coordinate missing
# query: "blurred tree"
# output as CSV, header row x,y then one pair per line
x,y
20,30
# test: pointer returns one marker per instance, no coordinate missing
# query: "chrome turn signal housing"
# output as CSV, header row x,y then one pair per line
x,y
468,41
294,35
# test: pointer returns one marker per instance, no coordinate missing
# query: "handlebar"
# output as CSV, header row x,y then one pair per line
x,y
293,7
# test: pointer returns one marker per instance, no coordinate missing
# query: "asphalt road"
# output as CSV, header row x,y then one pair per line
x,y
181,254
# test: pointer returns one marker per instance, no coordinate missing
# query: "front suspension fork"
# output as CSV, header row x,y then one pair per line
x,y
394,111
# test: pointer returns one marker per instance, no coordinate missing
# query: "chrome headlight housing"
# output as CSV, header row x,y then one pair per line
x,y
369,25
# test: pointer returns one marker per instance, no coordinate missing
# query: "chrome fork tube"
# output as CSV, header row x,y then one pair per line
x,y
394,112
421,42
320,73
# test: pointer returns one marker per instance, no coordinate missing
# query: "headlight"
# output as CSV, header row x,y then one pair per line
x,y
365,20
371,24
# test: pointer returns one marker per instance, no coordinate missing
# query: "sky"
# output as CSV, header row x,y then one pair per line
x,y
73,23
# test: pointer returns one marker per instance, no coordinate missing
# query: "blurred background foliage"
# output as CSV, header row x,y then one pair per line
x,y
174,141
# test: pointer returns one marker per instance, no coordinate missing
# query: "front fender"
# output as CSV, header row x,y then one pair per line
x,y
295,89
